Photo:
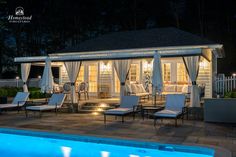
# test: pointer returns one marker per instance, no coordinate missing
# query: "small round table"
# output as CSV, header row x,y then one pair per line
x,y
147,110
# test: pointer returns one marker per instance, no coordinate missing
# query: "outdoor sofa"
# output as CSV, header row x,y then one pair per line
x,y
177,89
129,105
136,89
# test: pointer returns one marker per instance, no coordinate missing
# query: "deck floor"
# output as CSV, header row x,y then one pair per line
x,y
191,132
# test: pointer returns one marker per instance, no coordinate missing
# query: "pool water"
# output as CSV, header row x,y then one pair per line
x,y
18,143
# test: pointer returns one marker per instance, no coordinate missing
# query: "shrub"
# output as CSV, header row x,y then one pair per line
x,y
11,92
3,92
230,94
233,95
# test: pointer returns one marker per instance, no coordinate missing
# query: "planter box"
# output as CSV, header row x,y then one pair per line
x,y
220,110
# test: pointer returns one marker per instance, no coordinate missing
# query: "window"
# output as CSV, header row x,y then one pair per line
x,y
182,76
134,73
117,83
166,72
93,74
80,77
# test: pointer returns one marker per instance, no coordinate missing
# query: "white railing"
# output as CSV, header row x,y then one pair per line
x,y
225,84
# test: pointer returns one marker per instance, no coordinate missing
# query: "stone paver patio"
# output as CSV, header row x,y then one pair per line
x,y
191,132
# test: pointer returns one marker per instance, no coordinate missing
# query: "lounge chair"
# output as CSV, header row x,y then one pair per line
x,y
174,108
54,103
128,105
18,102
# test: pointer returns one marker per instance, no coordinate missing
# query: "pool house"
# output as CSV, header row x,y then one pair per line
x,y
186,60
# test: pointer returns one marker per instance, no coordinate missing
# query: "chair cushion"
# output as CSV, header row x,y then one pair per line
x,y
134,88
175,102
141,88
128,88
129,101
167,113
2,106
186,89
40,108
57,99
179,88
142,94
170,88
20,97
119,111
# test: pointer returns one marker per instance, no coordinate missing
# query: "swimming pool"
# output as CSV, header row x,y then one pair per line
x,y
23,143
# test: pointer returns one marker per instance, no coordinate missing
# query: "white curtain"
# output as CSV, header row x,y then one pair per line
x,y
192,67
122,69
47,78
72,69
25,70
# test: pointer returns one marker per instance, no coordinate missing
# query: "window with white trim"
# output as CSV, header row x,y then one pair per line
x,y
166,72
182,76
134,73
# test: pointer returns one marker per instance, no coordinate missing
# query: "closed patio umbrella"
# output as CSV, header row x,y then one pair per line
x,y
157,82
47,78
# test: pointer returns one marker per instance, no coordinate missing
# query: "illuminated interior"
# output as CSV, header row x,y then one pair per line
x,y
92,77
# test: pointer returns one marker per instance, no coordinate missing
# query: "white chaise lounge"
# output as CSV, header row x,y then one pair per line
x,y
128,105
174,108
18,102
54,103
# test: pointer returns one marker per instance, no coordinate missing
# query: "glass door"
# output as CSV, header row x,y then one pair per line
x,y
93,77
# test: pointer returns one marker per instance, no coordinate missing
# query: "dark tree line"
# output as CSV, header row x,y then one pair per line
x,y
57,24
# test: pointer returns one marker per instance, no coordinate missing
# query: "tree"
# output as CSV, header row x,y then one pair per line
x,y
177,8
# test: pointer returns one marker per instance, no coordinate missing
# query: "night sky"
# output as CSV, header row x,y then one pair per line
x,y
57,24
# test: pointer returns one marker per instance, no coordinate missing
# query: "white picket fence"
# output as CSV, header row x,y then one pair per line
x,y
225,84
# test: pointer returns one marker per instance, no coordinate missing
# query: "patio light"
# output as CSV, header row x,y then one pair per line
x,y
203,64
17,81
99,109
95,113
234,74
103,105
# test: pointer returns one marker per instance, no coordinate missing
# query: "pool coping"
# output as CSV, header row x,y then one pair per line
x,y
185,147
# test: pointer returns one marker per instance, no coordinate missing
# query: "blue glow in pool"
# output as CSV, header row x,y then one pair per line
x,y
21,143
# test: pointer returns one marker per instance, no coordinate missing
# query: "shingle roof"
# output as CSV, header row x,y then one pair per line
x,y
148,38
